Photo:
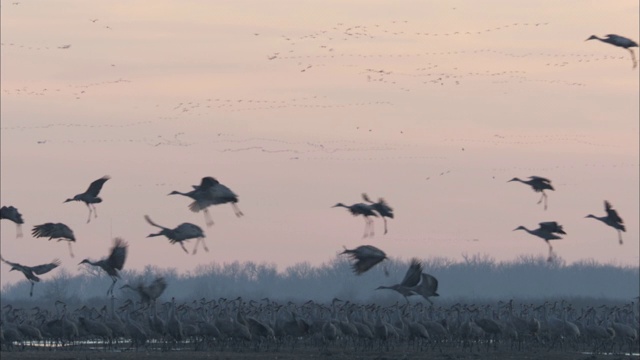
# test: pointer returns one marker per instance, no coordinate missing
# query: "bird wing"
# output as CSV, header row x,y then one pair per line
x,y
611,213
208,182
430,283
146,217
552,227
45,268
385,205
539,178
11,213
364,264
118,254
9,262
52,231
96,186
366,198
157,287
412,277
188,231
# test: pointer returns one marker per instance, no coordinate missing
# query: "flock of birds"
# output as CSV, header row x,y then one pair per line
x,y
211,192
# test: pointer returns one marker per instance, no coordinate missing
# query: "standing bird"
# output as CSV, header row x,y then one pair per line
x,y
58,231
112,263
183,232
30,272
90,196
612,219
619,41
539,184
11,213
382,208
411,278
210,192
364,210
547,231
366,257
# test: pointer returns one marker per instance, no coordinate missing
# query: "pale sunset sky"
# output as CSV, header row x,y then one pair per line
x,y
299,105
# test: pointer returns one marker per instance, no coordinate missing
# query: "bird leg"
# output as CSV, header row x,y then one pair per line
x,y
620,237
371,227
236,209
18,230
385,224
89,218
110,291
207,218
184,248
550,258
543,197
95,211
70,250
31,291
633,58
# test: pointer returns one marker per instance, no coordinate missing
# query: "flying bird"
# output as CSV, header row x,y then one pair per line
x,y
112,263
11,213
547,231
411,279
183,232
90,197
364,210
366,257
612,219
30,272
619,41
149,293
382,208
210,192
64,46
58,231
538,184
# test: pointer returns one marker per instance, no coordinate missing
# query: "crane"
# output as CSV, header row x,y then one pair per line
x,y
364,210
382,208
149,293
30,272
210,192
612,219
90,197
619,41
11,213
538,184
411,279
366,257
547,231
183,232
112,263
58,231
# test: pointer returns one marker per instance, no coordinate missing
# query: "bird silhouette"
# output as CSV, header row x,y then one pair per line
x,y
411,279
612,219
11,213
538,184
620,41
183,232
364,210
366,257
148,293
547,231
427,287
58,231
112,263
210,192
30,272
90,197
382,208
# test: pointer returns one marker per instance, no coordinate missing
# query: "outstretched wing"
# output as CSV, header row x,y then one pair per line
x,y
45,268
96,186
611,213
366,198
430,283
412,277
363,265
146,217
118,254
552,227
9,262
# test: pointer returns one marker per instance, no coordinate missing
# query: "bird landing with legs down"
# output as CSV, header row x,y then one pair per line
x,y
90,197
11,213
382,208
619,41
366,211
547,231
181,233
538,184
366,257
113,263
30,272
612,219
210,192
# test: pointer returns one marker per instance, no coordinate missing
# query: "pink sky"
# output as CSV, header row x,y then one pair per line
x,y
390,94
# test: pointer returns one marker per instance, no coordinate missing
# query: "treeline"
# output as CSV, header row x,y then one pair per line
x,y
476,278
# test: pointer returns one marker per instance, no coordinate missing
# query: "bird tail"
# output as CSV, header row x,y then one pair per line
x,y
146,217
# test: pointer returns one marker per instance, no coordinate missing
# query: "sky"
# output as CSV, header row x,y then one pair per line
x,y
297,106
